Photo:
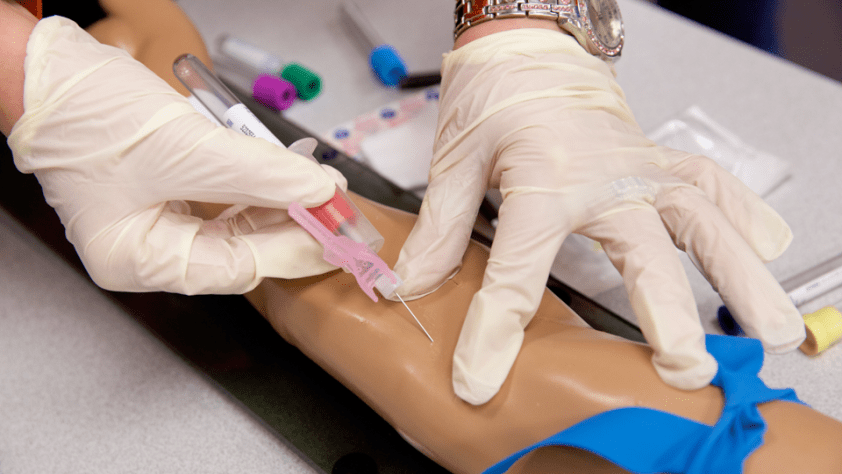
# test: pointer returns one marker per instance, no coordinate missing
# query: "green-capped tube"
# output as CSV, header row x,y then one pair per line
x,y
307,83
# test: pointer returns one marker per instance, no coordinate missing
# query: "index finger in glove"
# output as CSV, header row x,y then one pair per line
x,y
196,161
433,251
525,244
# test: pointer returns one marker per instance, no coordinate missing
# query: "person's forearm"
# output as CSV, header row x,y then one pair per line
x,y
16,24
496,26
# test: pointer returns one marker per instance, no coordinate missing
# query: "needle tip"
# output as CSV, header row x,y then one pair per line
x,y
415,317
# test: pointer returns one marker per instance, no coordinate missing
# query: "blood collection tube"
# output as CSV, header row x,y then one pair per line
x,y
383,58
339,214
241,54
266,89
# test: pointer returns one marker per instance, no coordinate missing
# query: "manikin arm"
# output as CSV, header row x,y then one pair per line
x,y
566,372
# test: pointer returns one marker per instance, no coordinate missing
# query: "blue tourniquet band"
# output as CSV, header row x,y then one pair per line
x,y
647,441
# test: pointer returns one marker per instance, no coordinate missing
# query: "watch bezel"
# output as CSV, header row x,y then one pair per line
x,y
584,31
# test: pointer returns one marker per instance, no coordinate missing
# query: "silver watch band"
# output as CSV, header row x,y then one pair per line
x,y
571,15
473,12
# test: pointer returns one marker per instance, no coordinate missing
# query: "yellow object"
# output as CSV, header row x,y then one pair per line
x,y
824,328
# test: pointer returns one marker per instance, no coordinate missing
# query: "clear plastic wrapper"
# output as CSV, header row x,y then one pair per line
x,y
695,132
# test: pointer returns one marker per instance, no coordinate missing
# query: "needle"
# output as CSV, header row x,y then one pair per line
x,y
416,319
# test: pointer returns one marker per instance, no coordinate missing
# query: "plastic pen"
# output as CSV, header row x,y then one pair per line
x,y
417,81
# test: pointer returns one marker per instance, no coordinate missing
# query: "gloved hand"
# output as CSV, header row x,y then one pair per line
x,y
118,152
532,113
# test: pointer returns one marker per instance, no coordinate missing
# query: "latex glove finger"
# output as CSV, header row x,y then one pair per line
x,y
761,227
238,220
433,251
638,245
277,245
190,159
762,308
281,248
525,245
167,249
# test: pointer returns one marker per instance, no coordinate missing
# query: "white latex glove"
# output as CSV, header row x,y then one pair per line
x,y
118,152
531,113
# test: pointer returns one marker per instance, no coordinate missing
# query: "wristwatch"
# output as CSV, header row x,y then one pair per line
x,y
596,24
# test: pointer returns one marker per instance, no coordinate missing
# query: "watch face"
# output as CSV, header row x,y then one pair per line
x,y
604,16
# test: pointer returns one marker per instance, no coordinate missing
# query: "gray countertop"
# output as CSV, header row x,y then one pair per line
x,y
84,388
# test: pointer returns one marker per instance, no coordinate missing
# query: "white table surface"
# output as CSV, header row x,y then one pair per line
x,y
84,388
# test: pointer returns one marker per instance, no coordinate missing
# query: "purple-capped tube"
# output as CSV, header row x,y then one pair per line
x,y
239,54
267,89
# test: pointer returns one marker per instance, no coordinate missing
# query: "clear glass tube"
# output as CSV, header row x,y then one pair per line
x,y
383,58
815,281
339,214
239,76
201,82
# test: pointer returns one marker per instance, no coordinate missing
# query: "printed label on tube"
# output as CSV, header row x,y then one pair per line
x,y
240,118
816,287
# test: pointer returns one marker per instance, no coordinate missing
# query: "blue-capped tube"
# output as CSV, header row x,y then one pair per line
x,y
383,58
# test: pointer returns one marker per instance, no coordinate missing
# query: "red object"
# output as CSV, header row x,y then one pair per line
x,y
333,213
